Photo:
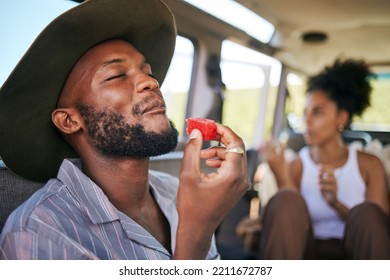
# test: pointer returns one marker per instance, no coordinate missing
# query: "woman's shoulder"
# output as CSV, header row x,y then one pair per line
x,y
368,159
369,164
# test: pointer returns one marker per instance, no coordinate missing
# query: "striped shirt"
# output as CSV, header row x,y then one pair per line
x,y
72,218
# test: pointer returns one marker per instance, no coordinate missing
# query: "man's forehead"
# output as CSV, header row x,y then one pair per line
x,y
103,54
96,58
109,48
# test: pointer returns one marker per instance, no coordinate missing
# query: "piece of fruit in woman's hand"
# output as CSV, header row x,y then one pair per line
x,y
207,127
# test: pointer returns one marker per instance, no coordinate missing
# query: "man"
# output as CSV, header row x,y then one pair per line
x,y
86,89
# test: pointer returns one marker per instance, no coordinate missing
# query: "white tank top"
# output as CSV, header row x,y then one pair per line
x,y
351,191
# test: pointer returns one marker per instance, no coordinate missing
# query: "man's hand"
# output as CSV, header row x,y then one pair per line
x,y
203,200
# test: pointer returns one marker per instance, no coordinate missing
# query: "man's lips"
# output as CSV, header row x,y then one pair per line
x,y
156,107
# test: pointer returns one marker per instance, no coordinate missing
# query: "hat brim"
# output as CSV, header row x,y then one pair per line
x,y
30,145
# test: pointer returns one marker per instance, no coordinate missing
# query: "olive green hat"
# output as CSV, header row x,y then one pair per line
x,y
29,144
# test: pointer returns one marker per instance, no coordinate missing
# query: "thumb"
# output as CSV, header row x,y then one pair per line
x,y
191,156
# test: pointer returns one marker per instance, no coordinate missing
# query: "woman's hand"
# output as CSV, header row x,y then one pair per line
x,y
328,187
203,200
328,184
273,153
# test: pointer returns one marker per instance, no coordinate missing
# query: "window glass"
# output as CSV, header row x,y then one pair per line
x,y
295,102
251,80
176,85
377,116
20,23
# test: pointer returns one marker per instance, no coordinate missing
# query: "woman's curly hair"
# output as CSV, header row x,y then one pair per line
x,y
347,83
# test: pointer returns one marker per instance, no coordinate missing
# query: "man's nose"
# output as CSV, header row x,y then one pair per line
x,y
147,82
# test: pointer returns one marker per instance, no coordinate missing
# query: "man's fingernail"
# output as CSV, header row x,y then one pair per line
x,y
194,134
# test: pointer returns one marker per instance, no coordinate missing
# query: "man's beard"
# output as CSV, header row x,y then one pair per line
x,y
113,136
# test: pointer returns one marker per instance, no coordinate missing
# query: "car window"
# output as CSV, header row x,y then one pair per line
x,y
376,117
251,80
20,23
176,86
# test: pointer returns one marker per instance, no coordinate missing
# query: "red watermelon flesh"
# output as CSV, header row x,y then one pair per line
x,y
207,127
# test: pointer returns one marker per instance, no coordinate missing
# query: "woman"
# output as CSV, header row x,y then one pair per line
x,y
344,210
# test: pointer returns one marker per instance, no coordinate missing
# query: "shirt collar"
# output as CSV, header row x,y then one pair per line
x,y
94,201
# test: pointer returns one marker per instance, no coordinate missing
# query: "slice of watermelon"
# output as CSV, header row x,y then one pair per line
x,y
207,127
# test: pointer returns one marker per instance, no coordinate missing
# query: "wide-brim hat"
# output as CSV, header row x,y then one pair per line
x,y
29,144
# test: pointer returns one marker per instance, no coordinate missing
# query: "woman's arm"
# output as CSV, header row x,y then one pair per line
x,y
295,170
374,175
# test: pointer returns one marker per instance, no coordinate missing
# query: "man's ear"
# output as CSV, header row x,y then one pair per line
x,y
66,120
